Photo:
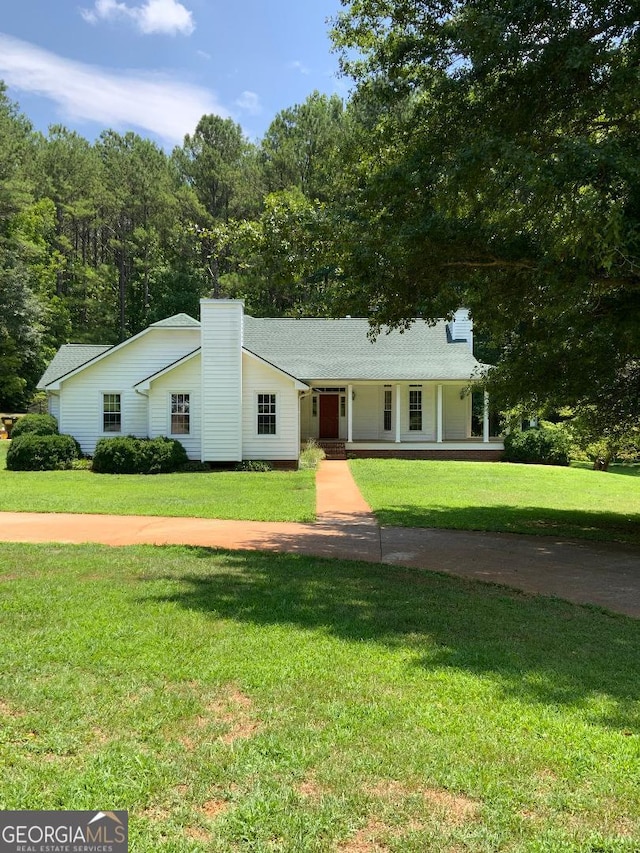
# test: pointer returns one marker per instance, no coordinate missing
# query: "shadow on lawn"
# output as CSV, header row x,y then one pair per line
x,y
572,524
537,649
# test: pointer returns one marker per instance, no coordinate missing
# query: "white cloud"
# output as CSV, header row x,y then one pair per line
x,y
149,102
296,65
250,103
153,16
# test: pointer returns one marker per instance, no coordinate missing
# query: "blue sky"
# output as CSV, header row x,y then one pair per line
x,y
157,66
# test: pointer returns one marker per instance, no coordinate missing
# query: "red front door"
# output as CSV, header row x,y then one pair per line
x,y
329,423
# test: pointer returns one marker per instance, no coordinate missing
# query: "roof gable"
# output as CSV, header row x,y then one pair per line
x,y
178,321
55,372
70,357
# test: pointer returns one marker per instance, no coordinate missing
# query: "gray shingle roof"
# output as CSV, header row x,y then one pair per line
x,y
68,357
313,349
341,349
177,321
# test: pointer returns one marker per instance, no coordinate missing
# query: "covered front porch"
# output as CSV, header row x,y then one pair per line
x,y
411,419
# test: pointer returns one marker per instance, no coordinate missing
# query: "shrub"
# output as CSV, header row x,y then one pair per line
x,y
130,455
312,454
33,452
602,439
83,464
254,465
36,425
545,445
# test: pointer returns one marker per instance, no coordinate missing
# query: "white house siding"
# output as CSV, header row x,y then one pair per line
x,y
184,379
81,395
221,328
428,431
260,378
457,422
53,406
366,408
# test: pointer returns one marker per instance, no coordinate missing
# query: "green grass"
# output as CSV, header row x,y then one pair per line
x,y
253,702
538,499
274,496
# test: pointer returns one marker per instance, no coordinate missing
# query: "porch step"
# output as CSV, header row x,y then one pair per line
x,y
333,449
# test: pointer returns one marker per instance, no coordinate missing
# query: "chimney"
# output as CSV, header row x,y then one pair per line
x,y
461,327
221,322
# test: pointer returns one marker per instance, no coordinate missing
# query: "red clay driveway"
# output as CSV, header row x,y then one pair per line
x,y
604,574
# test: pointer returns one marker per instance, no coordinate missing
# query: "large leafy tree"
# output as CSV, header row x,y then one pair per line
x,y
220,164
283,261
301,147
137,214
498,164
20,310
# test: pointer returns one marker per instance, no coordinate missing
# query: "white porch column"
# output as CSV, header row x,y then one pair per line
x,y
439,415
350,413
398,413
485,418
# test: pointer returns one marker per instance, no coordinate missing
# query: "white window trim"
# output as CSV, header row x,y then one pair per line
x,y
267,435
111,433
421,409
179,435
387,389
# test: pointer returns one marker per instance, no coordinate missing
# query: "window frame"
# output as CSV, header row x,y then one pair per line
x,y
105,413
415,408
273,404
387,410
178,414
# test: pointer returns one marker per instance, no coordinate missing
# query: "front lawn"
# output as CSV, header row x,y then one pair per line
x,y
254,702
539,499
251,496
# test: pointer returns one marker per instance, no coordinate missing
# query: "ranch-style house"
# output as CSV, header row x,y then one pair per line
x,y
232,387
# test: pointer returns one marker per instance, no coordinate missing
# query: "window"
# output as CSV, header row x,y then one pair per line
x,y
180,423
111,413
387,409
266,414
314,406
415,408
343,407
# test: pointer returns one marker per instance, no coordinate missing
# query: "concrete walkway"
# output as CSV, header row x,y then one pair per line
x,y
605,574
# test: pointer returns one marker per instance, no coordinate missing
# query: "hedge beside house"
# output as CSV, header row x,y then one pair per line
x,y
35,425
33,452
130,455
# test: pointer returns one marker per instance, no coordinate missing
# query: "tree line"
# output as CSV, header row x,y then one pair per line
x,y
97,240
488,156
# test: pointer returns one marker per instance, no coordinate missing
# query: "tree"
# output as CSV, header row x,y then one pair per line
x,y
20,311
301,145
138,212
284,262
219,163
499,167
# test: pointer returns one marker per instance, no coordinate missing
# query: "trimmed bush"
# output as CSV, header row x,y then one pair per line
x,y
254,465
33,452
545,445
130,455
36,425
